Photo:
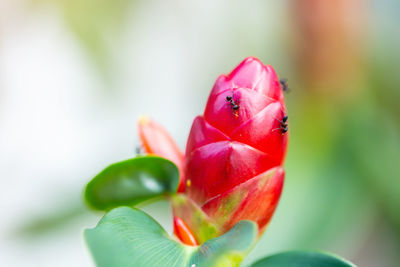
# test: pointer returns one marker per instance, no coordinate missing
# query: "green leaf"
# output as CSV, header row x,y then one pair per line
x,y
131,182
302,259
129,237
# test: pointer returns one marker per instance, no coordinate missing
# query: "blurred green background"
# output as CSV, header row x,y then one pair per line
x,y
76,74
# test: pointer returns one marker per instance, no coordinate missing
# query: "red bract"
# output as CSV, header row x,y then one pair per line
x,y
234,153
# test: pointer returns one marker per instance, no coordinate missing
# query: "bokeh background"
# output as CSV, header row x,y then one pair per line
x,y
76,74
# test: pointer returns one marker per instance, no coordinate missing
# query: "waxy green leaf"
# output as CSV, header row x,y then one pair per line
x,y
131,182
301,259
129,237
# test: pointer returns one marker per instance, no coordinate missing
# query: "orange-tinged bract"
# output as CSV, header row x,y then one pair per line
x,y
156,140
182,231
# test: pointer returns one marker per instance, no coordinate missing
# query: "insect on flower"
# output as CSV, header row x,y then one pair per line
x,y
284,84
234,104
283,124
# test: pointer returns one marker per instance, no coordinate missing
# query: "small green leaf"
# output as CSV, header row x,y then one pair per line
x,y
131,182
129,237
302,259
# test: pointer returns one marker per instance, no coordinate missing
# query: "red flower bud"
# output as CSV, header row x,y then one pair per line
x,y
232,168
234,152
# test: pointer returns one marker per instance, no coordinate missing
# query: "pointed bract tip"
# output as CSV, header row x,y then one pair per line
x,y
182,231
143,119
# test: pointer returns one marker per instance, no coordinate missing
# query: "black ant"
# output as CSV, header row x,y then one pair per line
x,y
139,150
284,85
234,104
283,125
